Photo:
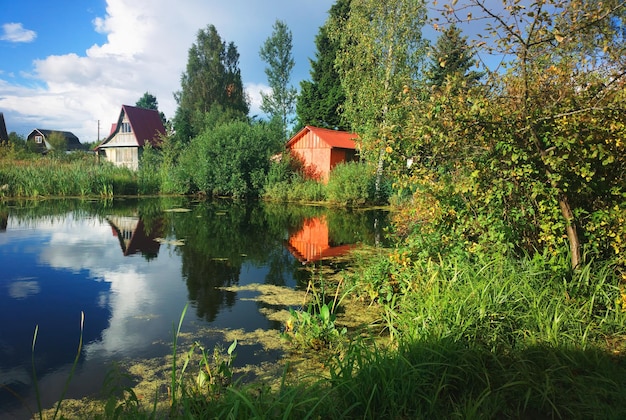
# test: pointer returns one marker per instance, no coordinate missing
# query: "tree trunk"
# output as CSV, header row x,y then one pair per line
x,y
572,233
379,174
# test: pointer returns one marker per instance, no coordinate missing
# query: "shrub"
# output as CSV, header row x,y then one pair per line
x,y
352,184
231,159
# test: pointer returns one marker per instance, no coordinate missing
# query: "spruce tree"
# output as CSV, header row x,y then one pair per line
x,y
451,55
212,78
321,97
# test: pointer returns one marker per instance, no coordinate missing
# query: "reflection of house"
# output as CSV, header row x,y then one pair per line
x,y
131,233
321,149
134,128
40,139
4,136
311,243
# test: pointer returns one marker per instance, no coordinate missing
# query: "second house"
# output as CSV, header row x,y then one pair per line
x,y
135,127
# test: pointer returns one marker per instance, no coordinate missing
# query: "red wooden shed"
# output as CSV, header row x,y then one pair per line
x,y
321,149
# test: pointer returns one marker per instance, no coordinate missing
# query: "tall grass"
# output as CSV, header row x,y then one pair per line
x,y
63,177
489,339
472,339
486,339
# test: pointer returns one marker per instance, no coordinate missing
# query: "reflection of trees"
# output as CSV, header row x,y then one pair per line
x,y
356,226
204,276
147,208
219,236
280,267
4,219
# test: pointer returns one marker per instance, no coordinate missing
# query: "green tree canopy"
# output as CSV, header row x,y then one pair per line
x,y
231,159
536,158
321,98
149,101
380,55
451,55
276,52
212,77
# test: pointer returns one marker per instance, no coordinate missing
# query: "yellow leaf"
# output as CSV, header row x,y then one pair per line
x,y
559,38
442,63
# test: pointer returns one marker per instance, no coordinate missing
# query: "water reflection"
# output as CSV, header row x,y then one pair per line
x,y
131,266
313,242
134,236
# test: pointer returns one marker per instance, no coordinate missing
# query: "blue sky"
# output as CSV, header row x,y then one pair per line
x,y
67,64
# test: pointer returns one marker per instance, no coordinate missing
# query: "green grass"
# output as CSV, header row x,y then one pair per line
x,y
462,338
60,176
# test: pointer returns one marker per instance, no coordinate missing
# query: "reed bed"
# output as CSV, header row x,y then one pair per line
x,y
64,177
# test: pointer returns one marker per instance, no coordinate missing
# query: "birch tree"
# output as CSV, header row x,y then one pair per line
x,y
276,52
380,54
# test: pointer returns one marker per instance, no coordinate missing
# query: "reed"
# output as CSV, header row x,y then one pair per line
x,y
57,409
64,178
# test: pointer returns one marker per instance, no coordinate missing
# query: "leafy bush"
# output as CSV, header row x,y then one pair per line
x,y
230,159
351,184
314,328
149,174
287,182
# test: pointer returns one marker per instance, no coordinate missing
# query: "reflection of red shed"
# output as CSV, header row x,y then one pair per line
x,y
321,149
312,242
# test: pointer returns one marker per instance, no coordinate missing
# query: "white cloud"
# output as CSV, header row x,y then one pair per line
x,y
253,90
21,289
146,48
15,32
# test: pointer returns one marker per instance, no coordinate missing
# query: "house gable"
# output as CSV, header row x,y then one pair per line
x,y
40,136
134,128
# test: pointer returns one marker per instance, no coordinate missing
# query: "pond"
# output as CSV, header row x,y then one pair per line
x,y
130,266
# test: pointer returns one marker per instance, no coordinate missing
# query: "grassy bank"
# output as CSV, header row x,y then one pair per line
x,y
65,176
455,338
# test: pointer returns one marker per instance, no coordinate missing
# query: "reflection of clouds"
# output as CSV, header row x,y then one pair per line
x,y
129,296
144,302
23,288
14,375
79,244
137,287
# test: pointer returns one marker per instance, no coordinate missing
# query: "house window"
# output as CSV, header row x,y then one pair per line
x,y
124,155
38,139
126,127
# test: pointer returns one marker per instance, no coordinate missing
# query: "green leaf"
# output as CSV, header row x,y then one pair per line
x,y
232,347
325,313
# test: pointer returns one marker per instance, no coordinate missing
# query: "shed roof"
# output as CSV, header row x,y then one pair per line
x,y
334,138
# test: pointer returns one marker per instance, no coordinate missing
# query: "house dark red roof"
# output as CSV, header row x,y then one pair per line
x,y
145,123
334,138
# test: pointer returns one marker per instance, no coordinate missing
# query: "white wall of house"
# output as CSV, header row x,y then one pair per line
x,y
123,156
122,149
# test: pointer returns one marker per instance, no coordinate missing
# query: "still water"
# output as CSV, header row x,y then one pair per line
x,y
130,266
